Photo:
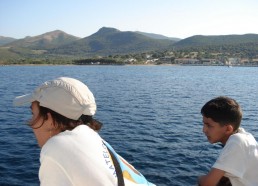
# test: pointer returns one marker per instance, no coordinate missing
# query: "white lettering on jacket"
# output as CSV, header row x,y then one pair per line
x,y
108,160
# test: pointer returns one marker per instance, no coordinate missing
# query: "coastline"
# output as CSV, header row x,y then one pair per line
x,y
4,65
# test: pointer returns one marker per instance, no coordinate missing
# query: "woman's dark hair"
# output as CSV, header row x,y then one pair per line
x,y
63,123
223,110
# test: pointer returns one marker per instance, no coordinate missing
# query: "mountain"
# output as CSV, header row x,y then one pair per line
x,y
45,41
221,40
6,40
110,41
58,45
158,36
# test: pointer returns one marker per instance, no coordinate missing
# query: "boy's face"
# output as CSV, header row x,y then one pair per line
x,y
214,131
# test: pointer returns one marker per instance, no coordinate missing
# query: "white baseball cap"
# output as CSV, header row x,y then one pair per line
x,y
66,96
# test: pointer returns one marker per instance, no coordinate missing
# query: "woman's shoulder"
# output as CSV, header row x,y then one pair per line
x,y
56,145
65,141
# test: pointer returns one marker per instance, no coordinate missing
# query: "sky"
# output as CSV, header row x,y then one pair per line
x,y
171,18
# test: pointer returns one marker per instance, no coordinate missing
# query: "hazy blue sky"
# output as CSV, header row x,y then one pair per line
x,y
173,18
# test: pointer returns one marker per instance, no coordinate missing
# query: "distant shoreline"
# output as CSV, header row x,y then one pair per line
x,y
127,65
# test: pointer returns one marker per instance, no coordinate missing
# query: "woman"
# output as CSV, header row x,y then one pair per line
x,y
72,152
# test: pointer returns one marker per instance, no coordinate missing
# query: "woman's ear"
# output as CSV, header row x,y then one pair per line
x,y
51,125
50,119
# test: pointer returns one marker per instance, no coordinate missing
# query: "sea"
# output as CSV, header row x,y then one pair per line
x,y
151,116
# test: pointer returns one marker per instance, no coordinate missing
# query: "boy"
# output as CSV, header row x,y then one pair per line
x,y
238,161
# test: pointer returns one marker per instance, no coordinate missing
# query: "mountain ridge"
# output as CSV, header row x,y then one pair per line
x,y
158,36
111,41
108,41
5,40
44,41
202,40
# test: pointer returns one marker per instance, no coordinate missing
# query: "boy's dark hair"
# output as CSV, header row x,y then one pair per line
x,y
223,110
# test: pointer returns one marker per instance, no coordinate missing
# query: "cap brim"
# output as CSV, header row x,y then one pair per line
x,y
22,100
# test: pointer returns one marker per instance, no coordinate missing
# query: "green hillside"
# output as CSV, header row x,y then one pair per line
x,y
110,41
6,40
58,47
200,41
45,41
158,36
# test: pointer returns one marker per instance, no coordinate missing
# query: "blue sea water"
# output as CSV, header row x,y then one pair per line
x,y
151,116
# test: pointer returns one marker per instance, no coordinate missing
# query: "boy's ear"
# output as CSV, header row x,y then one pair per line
x,y
229,129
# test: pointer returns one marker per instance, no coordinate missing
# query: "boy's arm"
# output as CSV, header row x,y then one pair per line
x,y
212,178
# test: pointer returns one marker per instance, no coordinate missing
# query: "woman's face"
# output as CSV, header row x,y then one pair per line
x,y
43,129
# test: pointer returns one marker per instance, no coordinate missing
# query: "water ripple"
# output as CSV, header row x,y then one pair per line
x,y
151,116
